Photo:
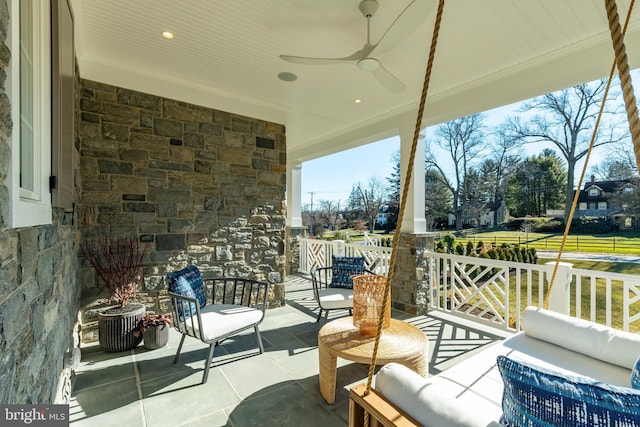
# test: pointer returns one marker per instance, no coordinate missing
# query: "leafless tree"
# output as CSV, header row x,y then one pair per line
x,y
566,119
618,163
505,156
462,140
330,212
368,200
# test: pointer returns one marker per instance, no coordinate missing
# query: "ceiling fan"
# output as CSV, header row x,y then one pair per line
x,y
408,20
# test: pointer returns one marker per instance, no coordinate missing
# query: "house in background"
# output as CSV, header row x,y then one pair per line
x,y
491,215
617,200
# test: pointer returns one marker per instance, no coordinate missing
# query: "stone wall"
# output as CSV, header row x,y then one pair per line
x,y
410,290
293,248
39,296
192,183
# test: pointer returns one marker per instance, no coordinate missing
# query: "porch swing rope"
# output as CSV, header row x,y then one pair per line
x,y
403,201
620,60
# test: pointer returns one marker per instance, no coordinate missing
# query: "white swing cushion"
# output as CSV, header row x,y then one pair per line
x,y
331,298
219,320
425,401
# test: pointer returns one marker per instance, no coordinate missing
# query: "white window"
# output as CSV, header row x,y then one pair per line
x,y
627,222
29,91
602,206
628,190
582,206
593,192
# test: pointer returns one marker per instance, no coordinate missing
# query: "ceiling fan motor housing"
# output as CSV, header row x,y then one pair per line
x,y
368,64
368,8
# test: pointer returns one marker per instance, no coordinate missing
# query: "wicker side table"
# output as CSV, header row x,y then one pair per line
x,y
401,342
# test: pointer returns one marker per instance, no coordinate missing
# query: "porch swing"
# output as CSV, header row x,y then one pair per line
x,y
368,408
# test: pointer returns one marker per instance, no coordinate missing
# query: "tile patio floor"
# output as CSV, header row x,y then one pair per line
x,y
245,388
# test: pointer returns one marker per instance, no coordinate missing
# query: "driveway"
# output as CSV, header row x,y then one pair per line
x,y
591,257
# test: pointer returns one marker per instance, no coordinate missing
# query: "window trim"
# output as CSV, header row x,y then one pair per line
x,y
582,206
602,206
30,208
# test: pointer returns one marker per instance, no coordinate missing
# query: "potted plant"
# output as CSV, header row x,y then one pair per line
x,y
118,263
154,329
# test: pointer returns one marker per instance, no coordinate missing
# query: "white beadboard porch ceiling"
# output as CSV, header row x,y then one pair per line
x,y
225,56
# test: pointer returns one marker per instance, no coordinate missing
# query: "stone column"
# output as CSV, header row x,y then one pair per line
x,y
293,249
410,287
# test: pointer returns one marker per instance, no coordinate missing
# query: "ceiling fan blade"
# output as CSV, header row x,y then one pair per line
x,y
388,80
409,19
356,56
312,61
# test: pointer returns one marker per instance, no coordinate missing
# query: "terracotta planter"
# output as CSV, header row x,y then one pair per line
x,y
156,337
116,327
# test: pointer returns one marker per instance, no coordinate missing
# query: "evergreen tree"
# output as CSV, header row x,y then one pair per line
x,y
537,185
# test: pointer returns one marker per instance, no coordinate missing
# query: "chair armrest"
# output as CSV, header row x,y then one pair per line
x,y
186,324
320,278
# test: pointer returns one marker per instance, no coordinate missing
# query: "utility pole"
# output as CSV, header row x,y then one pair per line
x,y
311,214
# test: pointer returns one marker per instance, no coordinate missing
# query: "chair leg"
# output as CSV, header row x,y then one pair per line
x,y
260,346
319,314
212,347
175,359
350,312
326,316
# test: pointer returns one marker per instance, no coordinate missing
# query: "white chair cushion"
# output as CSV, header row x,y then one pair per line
x,y
222,319
335,298
588,338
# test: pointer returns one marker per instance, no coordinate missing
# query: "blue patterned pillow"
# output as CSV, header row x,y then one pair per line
x,y
342,268
535,396
188,282
635,375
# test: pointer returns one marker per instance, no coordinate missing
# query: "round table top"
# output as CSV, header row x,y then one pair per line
x,y
399,341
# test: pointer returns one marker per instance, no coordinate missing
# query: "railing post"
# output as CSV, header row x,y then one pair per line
x,y
559,299
338,247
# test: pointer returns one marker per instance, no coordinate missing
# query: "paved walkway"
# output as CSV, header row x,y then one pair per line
x,y
591,256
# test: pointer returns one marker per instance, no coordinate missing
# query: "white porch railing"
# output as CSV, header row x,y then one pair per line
x,y
496,292
316,253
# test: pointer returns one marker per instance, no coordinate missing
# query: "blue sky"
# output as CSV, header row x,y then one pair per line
x,y
332,177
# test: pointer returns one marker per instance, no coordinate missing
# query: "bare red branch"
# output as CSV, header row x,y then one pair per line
x,y
119,264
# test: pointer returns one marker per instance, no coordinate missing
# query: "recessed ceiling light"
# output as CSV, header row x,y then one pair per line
x,y
287,77
167,35
358,101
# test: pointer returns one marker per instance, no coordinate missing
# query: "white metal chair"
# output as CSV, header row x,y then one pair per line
x,y
236,305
